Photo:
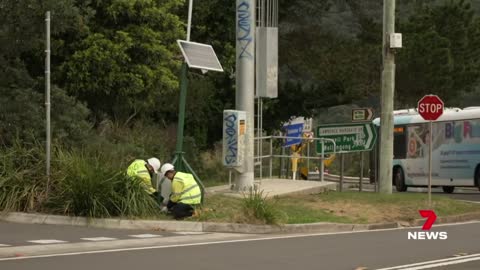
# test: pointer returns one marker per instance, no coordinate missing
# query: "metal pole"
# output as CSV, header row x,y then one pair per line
x,y
47,96
361,172
282,164
376,166
178,160
257,159
245,85
308,158
181,117
342,159
271,157
388,85
189,25
261,140
322,164
430,138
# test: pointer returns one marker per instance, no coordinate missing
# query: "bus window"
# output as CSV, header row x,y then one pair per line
x,y
417,141
399,142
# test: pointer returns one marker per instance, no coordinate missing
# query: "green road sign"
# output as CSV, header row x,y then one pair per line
x,y
348,137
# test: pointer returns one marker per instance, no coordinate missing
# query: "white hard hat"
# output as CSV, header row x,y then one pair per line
x,y
165,168
155,163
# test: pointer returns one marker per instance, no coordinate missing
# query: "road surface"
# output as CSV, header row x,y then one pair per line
x,y
374,250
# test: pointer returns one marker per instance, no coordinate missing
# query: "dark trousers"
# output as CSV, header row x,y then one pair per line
x,y
180,210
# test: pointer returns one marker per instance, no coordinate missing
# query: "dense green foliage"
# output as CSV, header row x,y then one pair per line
x,y
91,186
22,178
117,60
115,67
83,183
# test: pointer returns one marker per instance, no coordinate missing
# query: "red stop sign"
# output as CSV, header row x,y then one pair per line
x,y
430,107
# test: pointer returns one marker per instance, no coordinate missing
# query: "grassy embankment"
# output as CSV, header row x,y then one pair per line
x,y
347,207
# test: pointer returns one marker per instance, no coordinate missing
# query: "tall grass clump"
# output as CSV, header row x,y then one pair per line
x,y
258,209
92,186
22,177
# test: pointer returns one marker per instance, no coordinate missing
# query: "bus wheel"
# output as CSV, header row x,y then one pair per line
x,y
448,189
399,180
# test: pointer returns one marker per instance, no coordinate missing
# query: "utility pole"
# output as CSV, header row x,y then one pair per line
x,y
245,85
388,86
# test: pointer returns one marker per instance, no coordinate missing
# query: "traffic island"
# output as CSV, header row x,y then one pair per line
x,y
320,213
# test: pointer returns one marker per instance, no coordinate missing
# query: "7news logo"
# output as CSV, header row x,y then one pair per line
x,y
426,234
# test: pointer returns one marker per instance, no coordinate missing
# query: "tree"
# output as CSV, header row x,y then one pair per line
x,y
21,73
130,59
441,53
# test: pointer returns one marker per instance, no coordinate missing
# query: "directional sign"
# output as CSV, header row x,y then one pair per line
x,y
362,114
294,128
348,137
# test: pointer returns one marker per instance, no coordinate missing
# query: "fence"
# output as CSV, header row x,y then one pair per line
x,y
260,156
267,156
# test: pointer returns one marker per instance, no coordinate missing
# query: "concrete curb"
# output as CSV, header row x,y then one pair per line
x,y
450,219
178,226
189,226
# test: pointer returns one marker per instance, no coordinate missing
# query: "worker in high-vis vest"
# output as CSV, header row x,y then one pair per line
x,y
186,193
144,169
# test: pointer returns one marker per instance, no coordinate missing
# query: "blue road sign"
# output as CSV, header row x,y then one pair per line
x,y
293,130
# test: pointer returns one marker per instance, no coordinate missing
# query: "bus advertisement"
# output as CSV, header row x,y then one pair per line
x,y
455,149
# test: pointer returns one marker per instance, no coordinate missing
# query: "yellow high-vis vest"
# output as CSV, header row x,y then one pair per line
x,y
185,189
138,169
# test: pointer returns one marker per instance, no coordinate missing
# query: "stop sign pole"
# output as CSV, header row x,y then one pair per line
x,y
430,107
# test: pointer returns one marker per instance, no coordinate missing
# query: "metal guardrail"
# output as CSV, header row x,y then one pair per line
x,y
258,160
349,179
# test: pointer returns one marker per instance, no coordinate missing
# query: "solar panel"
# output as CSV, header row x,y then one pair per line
x,y
200,55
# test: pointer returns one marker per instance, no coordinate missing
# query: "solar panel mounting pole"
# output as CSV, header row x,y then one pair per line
x,y
200,56
179,160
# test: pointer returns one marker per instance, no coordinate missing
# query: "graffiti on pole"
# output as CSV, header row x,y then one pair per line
x,y
244,29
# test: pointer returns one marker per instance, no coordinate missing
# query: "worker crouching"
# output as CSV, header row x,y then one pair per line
x,y
186,193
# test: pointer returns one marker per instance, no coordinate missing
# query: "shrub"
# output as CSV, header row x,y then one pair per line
x,y
22,177
258,209
90,186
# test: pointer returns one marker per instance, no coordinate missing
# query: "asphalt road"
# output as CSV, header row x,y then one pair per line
x,y
374,250
15,234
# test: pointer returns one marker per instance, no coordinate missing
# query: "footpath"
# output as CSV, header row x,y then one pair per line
x,y
271,187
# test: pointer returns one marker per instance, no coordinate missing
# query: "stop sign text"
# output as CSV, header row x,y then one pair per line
x,y
430,107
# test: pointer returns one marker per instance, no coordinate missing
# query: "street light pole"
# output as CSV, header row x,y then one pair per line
x,y
388,86
47,96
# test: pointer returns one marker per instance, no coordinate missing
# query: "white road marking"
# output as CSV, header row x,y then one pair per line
x,y
218,242
190,233
147,235
47,241
3,245
435,263
468,201
99,239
